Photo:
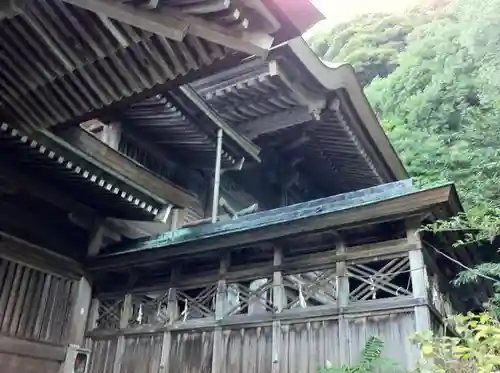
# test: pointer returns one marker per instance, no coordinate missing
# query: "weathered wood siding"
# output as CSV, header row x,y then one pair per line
x,y
247,350
142,354
394,329
22,364
103,355
305,346
35,312
33,305
191,352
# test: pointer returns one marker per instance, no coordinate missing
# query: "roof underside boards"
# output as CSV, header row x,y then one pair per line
x,y
161,121
390,201
292,107
82,180
315,116
62,63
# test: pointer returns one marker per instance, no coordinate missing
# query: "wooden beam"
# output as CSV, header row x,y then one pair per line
x,y
34,350
290,265
128,170
154,22
9,8
274,224
354,310
37,187
175,25
275,122
244,143
38,258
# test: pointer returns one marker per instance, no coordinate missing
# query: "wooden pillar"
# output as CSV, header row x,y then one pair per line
x,y
279,302
82,301
419,278
172,314
126,314
220,313
82,295
342,301
111,135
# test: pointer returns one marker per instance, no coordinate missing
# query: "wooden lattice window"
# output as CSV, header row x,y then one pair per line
x,y
382,279
311,289
109,313
249,298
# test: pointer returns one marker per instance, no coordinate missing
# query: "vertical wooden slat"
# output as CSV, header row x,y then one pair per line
x,y
48,317
35,305
37,332
66,329
6,288
27,306
3,271
21,301
13,294
60,323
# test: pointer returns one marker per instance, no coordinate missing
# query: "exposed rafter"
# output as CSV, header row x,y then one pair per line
x,y
175,24
125,167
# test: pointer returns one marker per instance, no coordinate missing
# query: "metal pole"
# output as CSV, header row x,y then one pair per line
x,y
218,161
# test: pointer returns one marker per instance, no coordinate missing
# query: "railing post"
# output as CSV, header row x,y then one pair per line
x,y
220,312
419,278
279,302
342,301
125,315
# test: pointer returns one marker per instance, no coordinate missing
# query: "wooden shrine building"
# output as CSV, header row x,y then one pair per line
x,y
185,187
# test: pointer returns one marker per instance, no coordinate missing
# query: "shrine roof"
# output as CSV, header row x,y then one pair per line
x,y
381,203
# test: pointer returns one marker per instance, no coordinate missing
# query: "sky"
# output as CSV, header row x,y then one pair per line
x,y
343,10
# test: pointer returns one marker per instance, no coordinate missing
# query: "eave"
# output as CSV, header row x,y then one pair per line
x,y
69,61
377,204
90,186
311,113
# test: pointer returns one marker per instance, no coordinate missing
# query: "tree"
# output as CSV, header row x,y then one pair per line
x,y
476,348
433,110
371,42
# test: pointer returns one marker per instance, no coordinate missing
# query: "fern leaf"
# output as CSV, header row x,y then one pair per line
x,y
371,353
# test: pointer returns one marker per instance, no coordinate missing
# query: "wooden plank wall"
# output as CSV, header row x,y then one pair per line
x,y
394,329
305,346
33,304
35,312
22,364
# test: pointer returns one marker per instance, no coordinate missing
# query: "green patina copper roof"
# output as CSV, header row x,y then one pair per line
x,y
277,216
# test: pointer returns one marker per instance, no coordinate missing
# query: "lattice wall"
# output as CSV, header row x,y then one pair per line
x,y
380,279
367,281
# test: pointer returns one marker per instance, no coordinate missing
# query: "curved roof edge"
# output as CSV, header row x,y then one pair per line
x,y
338,76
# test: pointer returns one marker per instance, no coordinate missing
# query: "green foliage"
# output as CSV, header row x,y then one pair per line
x,y
372,43
433,77
369,361
481,228
475,349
